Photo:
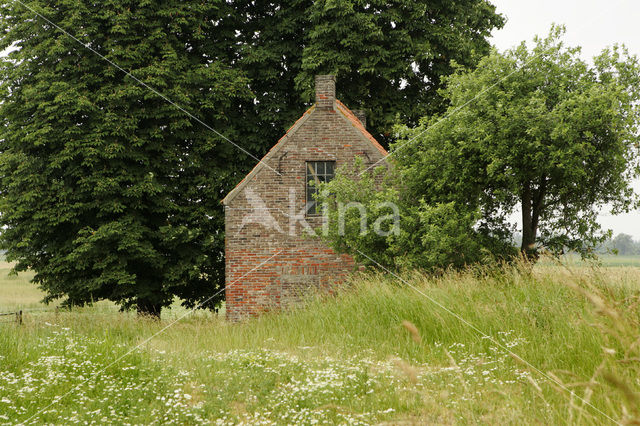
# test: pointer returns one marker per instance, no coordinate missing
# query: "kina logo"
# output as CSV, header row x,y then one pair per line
x,y
258,213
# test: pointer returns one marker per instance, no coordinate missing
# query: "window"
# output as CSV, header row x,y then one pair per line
x,y
317,171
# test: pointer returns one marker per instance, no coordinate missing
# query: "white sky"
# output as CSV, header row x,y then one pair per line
x,y
592,24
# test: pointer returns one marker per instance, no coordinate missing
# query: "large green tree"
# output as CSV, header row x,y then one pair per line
x,y
108,190
539,130
389,56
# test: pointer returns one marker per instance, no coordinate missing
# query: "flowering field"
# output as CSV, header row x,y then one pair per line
x,y
558,347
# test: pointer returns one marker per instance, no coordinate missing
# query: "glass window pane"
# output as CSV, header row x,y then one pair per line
x,y
311,208
316,171
329,169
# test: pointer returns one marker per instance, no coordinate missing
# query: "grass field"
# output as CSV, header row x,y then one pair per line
x,y
563,347
606,260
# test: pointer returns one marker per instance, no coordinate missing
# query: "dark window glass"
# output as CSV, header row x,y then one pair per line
x,y
317,171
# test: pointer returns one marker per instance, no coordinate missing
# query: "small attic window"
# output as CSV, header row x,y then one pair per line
x,y
317,171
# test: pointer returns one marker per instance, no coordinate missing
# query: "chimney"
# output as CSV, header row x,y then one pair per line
x,y
361,115
325,91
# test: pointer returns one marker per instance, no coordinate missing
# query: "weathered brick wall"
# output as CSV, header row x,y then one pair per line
x,y
258,225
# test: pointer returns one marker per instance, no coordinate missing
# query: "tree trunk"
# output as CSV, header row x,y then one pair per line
x,y
148,308
529,225
532,205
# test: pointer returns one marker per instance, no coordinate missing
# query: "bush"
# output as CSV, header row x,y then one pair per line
x,y
368,217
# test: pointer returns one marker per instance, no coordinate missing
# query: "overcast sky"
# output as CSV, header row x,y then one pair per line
x,y
591,24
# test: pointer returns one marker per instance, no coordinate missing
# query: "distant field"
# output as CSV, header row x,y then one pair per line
x,y
621,260
16,292
345,359
608,260
612,261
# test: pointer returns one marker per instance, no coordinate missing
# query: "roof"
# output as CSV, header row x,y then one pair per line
x,y
345,112
358,125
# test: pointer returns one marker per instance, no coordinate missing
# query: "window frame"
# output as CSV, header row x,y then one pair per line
x,y
311,173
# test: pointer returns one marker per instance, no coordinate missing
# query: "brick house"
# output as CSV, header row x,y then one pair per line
x,y
270,263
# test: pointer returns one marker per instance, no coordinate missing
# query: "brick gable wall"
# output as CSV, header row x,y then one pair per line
x,y
257,217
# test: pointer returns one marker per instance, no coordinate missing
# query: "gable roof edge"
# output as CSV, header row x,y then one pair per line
x,y
350,117
274,149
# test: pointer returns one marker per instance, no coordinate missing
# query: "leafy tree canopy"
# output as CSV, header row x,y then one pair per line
x,y
108,190
538,130
369,218
389,56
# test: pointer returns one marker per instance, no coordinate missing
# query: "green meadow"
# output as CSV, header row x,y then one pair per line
x,y
605,260
556,343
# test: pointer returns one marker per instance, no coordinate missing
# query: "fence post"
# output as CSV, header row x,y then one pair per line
x,y
19,317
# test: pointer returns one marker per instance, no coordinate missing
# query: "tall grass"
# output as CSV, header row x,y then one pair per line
x,y
375,351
